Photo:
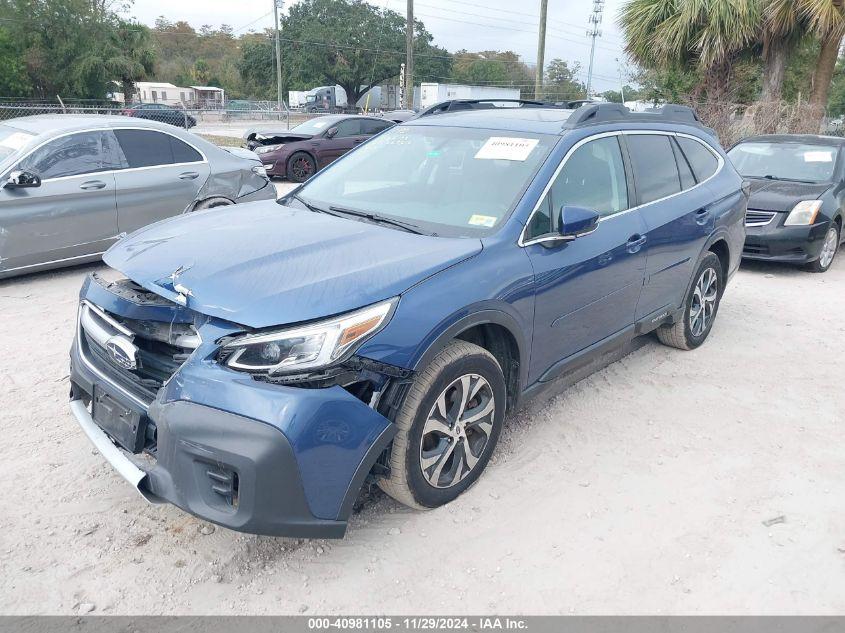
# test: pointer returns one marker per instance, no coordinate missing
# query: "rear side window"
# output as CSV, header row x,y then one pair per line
x,y
703,162
655,169
147,148
71,155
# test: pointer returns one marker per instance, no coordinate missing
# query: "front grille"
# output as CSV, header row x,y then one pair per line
x,y
755,217
159,349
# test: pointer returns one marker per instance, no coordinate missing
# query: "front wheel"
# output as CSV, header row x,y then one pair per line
x,y
447,427
701,306
829,248
301,167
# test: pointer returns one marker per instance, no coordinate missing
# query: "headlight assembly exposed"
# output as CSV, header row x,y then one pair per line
x,y
309,346
263,149
260,170
804,213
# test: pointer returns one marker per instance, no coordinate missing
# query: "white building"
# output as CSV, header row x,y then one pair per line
x,y
173,95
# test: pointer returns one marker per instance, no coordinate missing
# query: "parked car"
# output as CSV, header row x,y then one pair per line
x,y
380,321
299,153
73,185
797,198
161,113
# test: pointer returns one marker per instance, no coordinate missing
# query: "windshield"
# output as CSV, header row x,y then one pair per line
x,y
451,181
785,161
11,140
315,126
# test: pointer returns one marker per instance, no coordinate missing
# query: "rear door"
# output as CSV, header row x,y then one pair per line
x,y
677,213
72,214
161,178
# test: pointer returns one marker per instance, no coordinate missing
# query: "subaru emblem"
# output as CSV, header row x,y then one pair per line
x,y
122,352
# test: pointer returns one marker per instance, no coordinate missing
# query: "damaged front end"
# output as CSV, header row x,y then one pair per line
x,y
262,452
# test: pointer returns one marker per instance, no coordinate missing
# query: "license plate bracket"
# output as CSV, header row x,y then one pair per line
x,y
123,424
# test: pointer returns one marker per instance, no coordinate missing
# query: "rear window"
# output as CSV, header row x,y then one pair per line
x,y
147,148
803,162
655,170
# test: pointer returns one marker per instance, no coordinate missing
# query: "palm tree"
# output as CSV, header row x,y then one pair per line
x,y
826,19
705,35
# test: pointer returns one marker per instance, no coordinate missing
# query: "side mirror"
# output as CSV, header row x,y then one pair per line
x,y
331,132
20,179
577,221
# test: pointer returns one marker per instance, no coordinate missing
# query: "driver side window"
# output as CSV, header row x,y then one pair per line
x,y
593,177
71,155
349,127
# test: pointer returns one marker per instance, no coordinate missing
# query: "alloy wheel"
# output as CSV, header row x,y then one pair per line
x,y
301,168
829,248
457,431
703,301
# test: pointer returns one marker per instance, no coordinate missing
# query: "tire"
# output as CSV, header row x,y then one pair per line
x,y
829,250
212,203
423,444
301,167
690,332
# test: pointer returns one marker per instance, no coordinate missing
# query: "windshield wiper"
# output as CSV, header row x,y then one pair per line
x,y
312,207
380,219
770,177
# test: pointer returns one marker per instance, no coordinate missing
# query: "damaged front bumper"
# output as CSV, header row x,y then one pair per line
x,y
253,456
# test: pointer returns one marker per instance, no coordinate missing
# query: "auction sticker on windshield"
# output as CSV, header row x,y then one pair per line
x,y
16,141
482,220
506,148
818,157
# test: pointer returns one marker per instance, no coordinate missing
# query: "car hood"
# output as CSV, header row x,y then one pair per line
x,y
262,264
780,195
271,137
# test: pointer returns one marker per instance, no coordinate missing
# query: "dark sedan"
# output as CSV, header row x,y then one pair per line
x,y
299,153
795,212
161,113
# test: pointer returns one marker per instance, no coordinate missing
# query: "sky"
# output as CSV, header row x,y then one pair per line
x,y
456,24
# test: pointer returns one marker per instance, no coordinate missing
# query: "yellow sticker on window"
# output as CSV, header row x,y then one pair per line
x,y
482,220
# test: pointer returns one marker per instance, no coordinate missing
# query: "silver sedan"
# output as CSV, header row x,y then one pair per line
x,y
71,186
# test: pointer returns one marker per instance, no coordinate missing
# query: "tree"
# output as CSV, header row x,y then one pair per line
x,y
351,43
827,20
700,35
561,82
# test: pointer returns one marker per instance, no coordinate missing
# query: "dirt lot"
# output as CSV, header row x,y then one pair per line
x,y
643,489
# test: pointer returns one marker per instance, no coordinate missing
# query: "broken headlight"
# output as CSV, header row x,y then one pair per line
x,y
309,346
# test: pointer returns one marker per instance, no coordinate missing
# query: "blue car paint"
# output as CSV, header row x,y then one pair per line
x,y
329,429
297,267
269,265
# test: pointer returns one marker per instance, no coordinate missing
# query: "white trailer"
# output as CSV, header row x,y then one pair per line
x,y
433,93
296,98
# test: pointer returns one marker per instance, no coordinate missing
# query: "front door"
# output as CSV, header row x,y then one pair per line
x,y
71,215
162,178
348,135
586,289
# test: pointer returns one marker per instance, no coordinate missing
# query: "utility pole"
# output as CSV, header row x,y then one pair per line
x,y
278,4
541,50
621,83
409,57
594,32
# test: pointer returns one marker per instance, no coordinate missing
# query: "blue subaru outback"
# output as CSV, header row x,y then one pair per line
x,y
257,367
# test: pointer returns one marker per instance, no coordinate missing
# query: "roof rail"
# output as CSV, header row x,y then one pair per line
x,y
598,113
458,105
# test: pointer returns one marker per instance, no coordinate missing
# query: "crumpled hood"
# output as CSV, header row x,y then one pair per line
x,y
780,195
262,264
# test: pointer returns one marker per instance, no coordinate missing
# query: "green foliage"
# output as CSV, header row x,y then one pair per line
x,y
561,82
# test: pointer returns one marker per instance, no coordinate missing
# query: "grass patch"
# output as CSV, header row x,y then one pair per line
x,y
225,141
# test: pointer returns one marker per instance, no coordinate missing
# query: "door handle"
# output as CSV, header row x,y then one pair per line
x,y
92,184
635,243
358,140
188,175
701,216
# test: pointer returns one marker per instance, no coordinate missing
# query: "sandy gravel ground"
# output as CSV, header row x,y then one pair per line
x,y
642,489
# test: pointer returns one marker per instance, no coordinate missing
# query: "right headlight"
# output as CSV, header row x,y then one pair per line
x,y
264,149
803,213
309,346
